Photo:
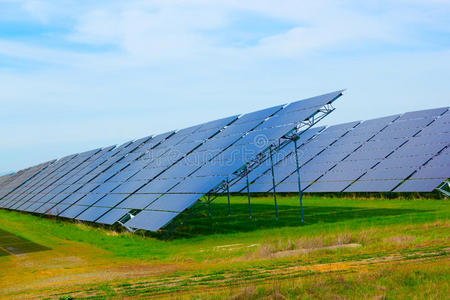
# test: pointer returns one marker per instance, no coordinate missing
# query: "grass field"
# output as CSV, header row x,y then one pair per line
x,y
348,248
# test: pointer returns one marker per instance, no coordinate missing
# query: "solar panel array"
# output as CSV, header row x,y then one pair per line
x,y
219,157
156,178
371,156
10,182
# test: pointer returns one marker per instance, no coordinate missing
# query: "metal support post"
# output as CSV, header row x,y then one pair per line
x,y
273,184
300,194
248,193
209,206
228,194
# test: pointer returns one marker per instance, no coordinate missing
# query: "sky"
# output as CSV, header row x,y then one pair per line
x,y
77,75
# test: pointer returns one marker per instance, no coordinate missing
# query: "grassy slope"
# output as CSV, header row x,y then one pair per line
x,y
248,253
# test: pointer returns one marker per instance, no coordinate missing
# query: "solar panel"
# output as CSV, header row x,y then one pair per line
x,y
151,220
429,113
227,161
389,137
90,199
373,185
165,172
287,166
436,171
111,200
112,216
16,180
56,210
56,185
327,186
420,185
138,201
159,186
129,187
174,202
200,185
73,198
92,214
408,158
73,211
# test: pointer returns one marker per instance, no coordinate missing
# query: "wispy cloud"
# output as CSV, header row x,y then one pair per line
x,y
98,72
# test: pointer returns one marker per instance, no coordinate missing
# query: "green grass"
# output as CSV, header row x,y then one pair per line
x,y
322,216
242,255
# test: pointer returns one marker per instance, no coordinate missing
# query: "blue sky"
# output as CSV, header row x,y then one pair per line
x,y
76,75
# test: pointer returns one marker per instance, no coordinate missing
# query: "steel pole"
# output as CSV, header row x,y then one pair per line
x,y
209,206
248,193
273,184
298,179
228,194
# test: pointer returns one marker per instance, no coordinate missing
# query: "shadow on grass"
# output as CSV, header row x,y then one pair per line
x,y
11,244
263,217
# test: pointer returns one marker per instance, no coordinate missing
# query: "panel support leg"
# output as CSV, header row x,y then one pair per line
x,y
248,194
300,194
273,184
209,206
228,195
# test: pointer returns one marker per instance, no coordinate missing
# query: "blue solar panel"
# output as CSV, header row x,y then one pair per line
x,y
111,200
373,186
112,216
138,201
291,185
327,186
158,186
419,185
174,202
57,209
199,185
389,173
129,187
106,187
66,173
24,206
45,208
73,211
73,198
88,188
147,173
92,214
438,167
429,113
257,115
89,181
90,199
151,220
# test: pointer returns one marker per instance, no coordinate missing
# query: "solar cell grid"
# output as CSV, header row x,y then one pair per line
x,y
93,213
111,200
174,202
205,183
405,160
112,216
138,201
158,186
129,187
319,143
426,114
72,211
90,199
419,185
151,220
373,185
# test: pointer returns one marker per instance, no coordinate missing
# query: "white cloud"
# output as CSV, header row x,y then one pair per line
x,y
127,69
